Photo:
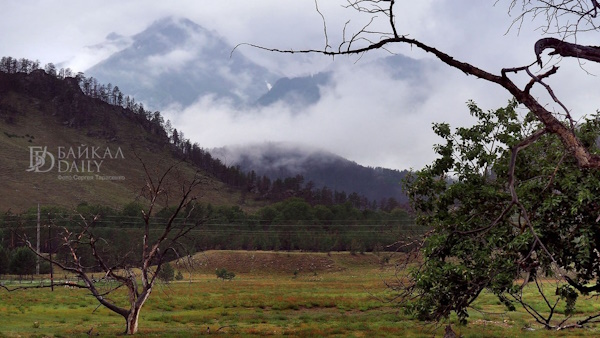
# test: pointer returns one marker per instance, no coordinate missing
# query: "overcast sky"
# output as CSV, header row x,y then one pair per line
x,y
367,118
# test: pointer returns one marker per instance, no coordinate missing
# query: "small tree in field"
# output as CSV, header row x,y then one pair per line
x,y
4,261
138,278
22,262
167,273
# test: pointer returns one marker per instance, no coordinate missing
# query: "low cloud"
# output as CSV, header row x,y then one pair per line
x,y
174,61
366,116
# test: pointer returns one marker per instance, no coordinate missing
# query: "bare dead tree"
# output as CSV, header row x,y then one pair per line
x,y
138,278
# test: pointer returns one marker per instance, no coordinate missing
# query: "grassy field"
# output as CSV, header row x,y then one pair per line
x,y
273,294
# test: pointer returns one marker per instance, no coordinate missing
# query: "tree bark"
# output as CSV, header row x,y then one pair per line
x,y
133,316
132,320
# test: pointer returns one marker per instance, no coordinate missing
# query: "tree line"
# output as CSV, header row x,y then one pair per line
x,y
75,114
292,224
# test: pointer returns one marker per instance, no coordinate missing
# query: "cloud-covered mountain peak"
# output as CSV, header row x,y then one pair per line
x,y
175,61
170,33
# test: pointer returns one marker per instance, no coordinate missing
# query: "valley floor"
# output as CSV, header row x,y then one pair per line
x,y
273,294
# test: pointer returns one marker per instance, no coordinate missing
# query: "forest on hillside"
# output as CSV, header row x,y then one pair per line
x,y
75,96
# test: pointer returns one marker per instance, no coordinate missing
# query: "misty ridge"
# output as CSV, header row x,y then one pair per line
x,y
279,160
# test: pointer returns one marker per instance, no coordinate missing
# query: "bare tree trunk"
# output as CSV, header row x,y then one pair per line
x,y
132,321
133,315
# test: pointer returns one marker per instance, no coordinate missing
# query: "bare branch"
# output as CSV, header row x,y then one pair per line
x,y
327,46
584,157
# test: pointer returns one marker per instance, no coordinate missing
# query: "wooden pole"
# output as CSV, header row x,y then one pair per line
x,y
50,255
37,261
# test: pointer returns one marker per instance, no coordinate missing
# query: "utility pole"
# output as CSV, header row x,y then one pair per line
x,y
37,261
50,255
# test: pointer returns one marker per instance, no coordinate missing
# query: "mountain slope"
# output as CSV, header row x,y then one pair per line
x,y
92,148
175,62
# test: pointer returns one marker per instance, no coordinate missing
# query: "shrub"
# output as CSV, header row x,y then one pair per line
x,y
45,267
224,274
179,276
22,262
4,260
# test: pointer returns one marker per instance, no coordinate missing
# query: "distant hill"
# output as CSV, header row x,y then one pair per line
x,y
61,147
280,160
176,61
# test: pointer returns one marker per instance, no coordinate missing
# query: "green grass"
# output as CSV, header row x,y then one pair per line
x,y
341,302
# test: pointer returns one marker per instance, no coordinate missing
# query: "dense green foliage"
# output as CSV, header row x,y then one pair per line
x,y
22,262
482,238
4,260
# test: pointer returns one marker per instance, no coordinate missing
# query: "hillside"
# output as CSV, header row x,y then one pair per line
x,y
324,169
94,147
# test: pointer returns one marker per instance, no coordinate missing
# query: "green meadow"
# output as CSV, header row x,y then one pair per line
x,y
273,294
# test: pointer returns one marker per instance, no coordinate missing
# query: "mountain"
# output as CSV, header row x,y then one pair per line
x,y
91,55
281,160
60,147
175,62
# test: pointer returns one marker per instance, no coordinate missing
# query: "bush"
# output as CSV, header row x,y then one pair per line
x,y
44,267
356,246
22,262
224,274
179,276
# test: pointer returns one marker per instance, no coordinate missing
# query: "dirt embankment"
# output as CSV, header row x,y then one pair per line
x,y
279,262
